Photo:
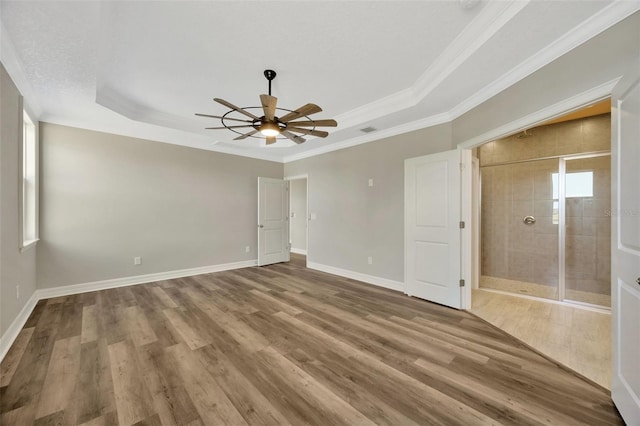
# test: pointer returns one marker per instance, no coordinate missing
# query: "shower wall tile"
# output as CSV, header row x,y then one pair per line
x,y
520,265
573,225
569,137
596,133
545,225
543,208
573,207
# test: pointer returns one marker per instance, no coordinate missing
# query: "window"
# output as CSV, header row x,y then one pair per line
x,y
29,183
576,185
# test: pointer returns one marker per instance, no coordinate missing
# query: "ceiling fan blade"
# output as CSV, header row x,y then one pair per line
x,y
235,108
269,106
295,138
314,123
225,118
228,127
307,109
319,133
246,135
271,139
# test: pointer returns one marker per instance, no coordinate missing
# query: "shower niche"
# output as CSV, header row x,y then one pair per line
x,y
545,212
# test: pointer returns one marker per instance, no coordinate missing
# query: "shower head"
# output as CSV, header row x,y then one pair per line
x,y
524,134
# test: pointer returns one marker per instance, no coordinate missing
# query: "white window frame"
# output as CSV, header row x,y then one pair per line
x,y
29,183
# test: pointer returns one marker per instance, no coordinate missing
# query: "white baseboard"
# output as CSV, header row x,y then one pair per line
x,y
47,293
14,329
298,251
12,332
369,279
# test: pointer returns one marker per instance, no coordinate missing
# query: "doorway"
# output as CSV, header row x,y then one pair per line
x,y
298,218
544,265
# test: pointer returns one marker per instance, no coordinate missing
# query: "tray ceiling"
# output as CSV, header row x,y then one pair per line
x,y
143,69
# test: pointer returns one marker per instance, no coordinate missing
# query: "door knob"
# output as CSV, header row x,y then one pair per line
x,y
260,226
638,280
529,220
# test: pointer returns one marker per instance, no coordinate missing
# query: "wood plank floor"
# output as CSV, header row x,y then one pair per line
x,y
278,345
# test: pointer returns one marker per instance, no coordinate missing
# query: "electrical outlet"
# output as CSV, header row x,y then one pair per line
x,y
370,260
247,249
18,291
137,260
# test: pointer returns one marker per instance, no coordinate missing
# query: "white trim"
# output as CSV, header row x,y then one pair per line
x,y
487,23
28,244
369,279
577,305
14,329
548,113
12,332
374,136
47,293
606,18
296,177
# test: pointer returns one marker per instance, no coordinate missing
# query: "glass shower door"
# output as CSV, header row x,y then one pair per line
x,y
587,249
519,227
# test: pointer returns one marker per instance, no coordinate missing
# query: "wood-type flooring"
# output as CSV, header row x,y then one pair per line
x,y
279,345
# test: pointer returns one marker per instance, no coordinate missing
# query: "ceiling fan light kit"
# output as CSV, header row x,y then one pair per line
x,y
269,125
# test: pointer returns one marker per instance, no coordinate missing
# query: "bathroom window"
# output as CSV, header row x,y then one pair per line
x,y
577,185
29,206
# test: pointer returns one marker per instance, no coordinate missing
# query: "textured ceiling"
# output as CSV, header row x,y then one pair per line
x,y
144,68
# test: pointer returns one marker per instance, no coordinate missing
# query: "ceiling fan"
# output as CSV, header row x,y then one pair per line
x,y
269,125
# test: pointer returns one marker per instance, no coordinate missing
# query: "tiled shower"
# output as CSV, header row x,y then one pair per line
x,y
545,203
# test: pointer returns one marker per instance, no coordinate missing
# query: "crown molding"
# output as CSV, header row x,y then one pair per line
x,y
187,140
370,137
588,29
549,113
488,22
484,26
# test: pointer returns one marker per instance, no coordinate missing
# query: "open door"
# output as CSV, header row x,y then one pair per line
x,y
273,225
625,246
432,228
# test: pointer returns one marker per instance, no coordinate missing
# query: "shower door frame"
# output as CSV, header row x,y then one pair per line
x,y
562,232
562,229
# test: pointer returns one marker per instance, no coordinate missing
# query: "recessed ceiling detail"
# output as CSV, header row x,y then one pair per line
x,y
141,70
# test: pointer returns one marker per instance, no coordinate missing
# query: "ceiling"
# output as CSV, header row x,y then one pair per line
x,y
143,69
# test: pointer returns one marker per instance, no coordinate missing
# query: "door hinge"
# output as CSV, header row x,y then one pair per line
x,y
461,283
462,224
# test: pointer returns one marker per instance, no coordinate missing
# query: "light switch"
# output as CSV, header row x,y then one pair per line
x,y
370,182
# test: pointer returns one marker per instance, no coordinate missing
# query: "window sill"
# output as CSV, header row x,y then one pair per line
x,y
28,244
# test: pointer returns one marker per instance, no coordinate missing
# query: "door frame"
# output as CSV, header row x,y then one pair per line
x,y
536,118
297,177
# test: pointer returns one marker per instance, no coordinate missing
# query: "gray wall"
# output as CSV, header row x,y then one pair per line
x,y
105,199
354,221
15,268
298,209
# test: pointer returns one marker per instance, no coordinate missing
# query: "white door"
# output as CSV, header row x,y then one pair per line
x,y
625,246
432,232
273,225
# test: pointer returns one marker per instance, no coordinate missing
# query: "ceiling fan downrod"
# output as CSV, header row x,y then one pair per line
x,y
270,75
